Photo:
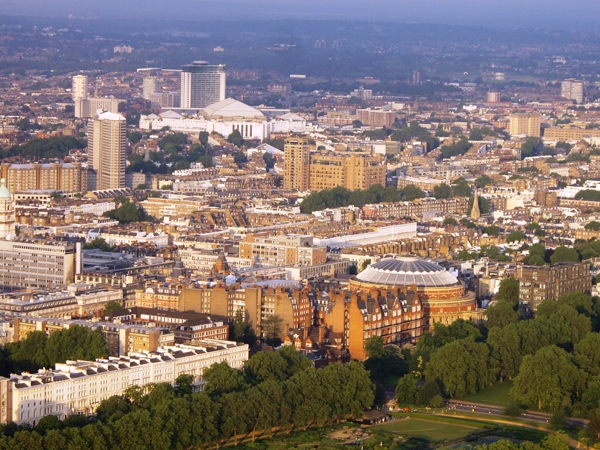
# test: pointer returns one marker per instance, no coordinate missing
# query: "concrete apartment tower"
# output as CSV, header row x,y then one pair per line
x,y
202,84
79,90
573,90
150,85
296,168
107,149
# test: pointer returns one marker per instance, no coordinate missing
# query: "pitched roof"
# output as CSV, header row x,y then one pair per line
x,y
231,108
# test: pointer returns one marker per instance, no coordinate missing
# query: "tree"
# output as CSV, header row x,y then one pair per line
x,y
509,291
406,390
206,161
236,138
240,158
546,379
442,191
483,181
221,379
563,253
586,354
461,188
461,366
450,221
427,393
529,147
505,350
184,385
557,441
501,314
374,347
537,249
512,410
476,135
100,244
460,147
128,212
593,225
558,420
271,329
76,342
241,330
47,423
111,306
113,408
412,192
492,230
269,161
515,236
536,260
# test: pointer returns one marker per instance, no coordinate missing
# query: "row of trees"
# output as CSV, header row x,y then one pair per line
x,y
460,147
38,350
340,196
45,148
276,391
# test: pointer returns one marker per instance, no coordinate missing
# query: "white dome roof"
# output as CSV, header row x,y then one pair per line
x,y
406,271
4,192
230,108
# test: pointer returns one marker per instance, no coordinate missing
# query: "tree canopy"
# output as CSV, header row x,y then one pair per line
x,y
232,406
128,212
339,196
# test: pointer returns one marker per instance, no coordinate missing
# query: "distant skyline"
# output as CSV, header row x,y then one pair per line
x,y
575,14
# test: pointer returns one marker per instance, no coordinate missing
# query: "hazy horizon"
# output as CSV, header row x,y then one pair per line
x,y
575,15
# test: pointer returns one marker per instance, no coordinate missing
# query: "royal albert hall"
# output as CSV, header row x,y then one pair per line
x,y
444,298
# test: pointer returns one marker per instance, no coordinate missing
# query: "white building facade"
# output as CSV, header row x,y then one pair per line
x,y
78,387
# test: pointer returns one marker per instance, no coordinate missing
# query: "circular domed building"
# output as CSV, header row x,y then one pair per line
x,y
443,296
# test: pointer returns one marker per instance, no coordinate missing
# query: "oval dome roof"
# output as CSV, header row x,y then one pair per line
x,y
405,271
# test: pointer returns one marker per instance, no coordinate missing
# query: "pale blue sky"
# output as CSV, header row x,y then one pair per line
x,y
571,14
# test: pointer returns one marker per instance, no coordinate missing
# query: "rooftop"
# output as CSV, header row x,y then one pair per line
x,y
406,271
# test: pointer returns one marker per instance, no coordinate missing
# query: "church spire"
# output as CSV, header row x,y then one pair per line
x,y
475,211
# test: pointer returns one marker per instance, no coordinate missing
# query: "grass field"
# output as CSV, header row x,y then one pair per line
x,y
498,395
426,429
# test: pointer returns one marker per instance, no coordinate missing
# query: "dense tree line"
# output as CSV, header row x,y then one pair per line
x,y
45,148
413,132
275,391
588,194
553,359
460,147
557,441
339,196
38,350
539,255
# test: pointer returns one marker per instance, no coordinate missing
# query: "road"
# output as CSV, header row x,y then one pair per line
x,y
480,408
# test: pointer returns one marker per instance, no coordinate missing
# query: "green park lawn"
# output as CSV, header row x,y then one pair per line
x,y
497,395
426,429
